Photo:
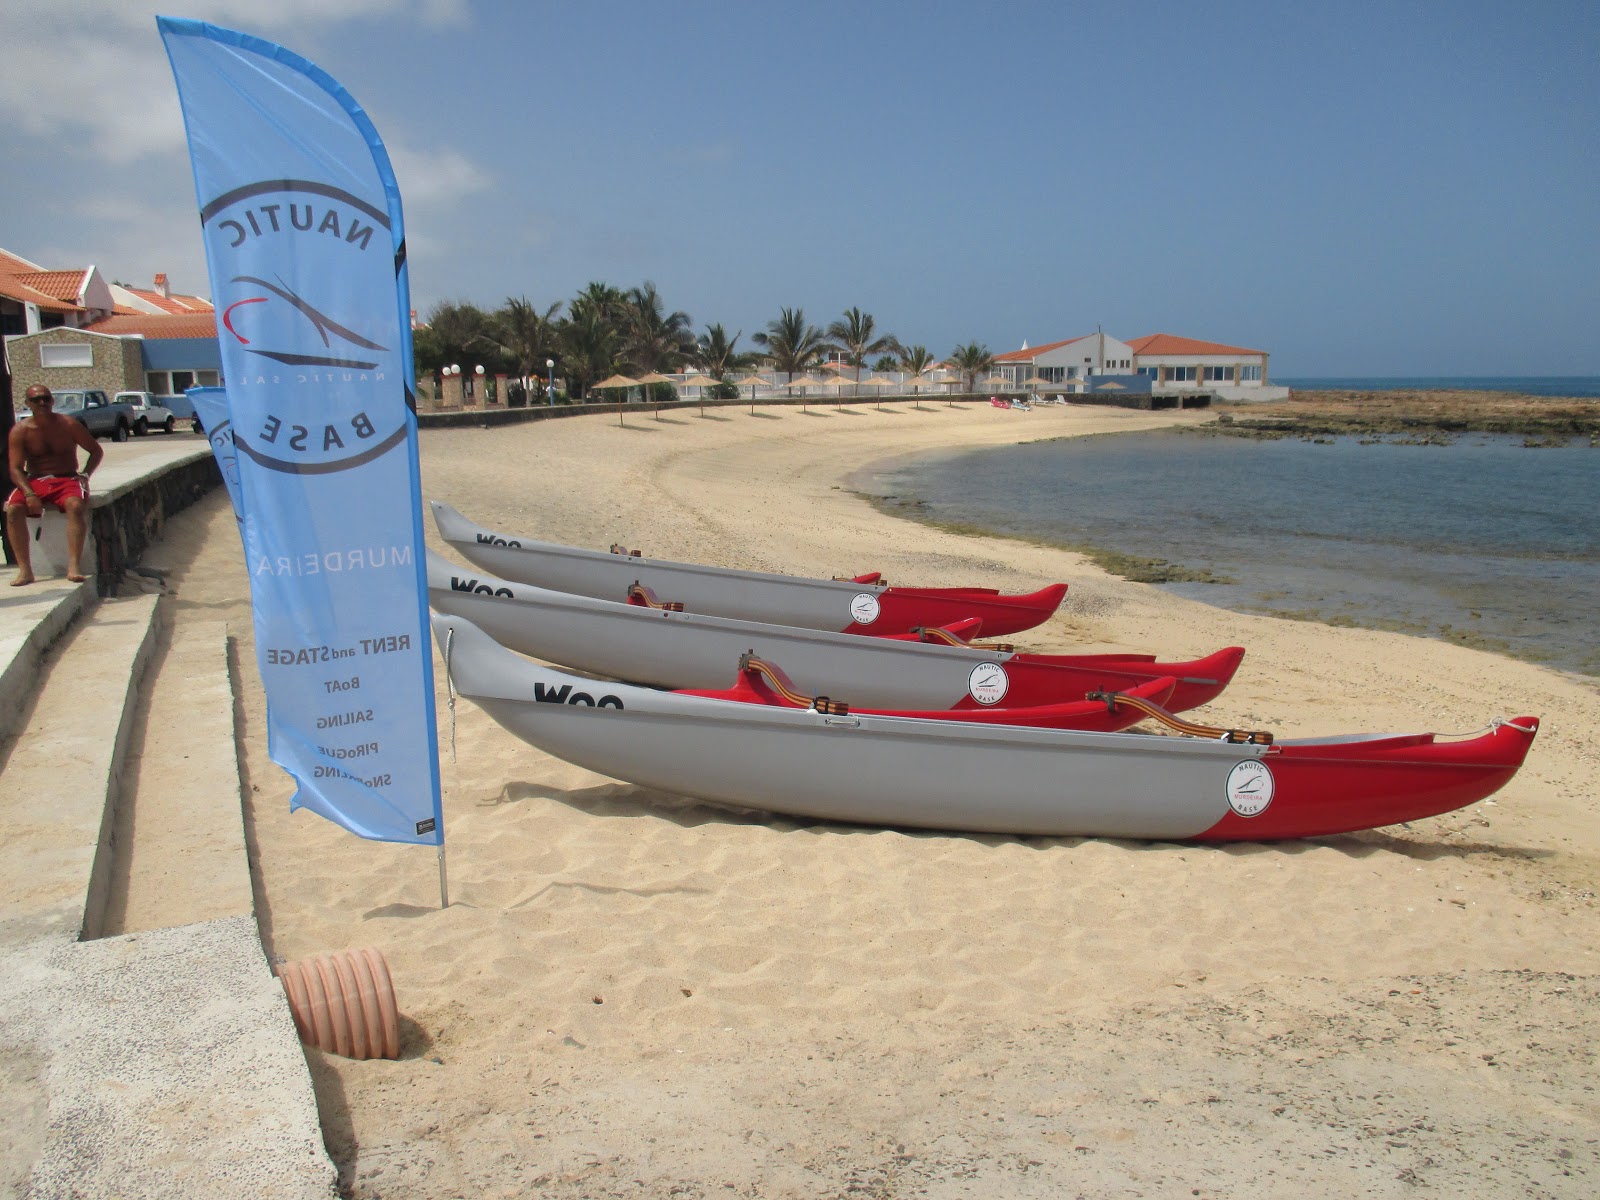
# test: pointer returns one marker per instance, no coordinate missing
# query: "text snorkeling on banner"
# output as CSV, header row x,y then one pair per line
x,y
304,243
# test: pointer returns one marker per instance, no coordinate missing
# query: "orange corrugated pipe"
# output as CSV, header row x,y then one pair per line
x,y
344,1003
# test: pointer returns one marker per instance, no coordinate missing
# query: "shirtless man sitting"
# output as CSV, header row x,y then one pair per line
x,y
43,455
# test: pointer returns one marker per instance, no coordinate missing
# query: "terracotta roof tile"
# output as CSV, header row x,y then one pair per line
x,y
164,303
185,325
1170,343
1033,352
63,285
11,264
14,289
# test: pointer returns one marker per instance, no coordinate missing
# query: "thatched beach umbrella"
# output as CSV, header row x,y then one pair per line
x,y
755,381
878,383
702,382
647,381
617,381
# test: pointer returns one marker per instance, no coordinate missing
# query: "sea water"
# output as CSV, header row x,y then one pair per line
x,y
1485,540
1587,386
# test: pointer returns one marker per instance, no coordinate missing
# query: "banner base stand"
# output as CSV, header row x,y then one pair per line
x,y
444,885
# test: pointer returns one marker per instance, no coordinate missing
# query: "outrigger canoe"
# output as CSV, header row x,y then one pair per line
x,y
670,649
938,774
863,605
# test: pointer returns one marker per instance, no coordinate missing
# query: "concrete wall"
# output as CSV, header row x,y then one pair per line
x,y
117,364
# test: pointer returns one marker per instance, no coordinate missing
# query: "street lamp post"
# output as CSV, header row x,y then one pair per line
x,y
477,392
550,379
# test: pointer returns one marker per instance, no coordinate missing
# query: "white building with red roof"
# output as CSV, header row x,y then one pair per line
x,y
1069,363
1170,365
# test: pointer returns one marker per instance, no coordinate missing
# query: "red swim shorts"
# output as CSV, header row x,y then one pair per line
x,y
51,489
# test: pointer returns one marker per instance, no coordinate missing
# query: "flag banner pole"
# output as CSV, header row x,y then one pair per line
x,y
305,247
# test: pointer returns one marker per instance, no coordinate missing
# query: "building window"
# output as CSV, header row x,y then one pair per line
x,y
1250,374
176,383
66,354
1219,374
1180,374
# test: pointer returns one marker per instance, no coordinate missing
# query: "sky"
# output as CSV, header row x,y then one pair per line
x,y
1402,187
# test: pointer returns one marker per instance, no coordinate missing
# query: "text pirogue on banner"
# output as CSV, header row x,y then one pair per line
x,y
306,250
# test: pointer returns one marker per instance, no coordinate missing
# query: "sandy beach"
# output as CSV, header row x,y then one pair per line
x,y
632,994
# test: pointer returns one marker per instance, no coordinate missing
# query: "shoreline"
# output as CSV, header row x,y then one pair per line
x,y
933,1011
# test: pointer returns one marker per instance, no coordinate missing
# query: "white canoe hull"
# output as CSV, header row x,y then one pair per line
x,y
833,605
891,771
719,591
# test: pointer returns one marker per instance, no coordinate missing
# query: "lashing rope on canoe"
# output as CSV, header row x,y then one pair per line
x,y
1244,737
639,594
932,633
776,681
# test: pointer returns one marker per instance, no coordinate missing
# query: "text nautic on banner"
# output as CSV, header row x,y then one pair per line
x,y
323,415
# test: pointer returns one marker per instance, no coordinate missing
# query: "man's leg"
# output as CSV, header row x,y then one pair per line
x,y
76,509
17,531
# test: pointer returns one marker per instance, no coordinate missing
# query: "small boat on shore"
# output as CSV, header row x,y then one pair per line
x,y
666,648
938,774
861,605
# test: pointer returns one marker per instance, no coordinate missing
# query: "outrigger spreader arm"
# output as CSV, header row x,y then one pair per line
x,y
1241,737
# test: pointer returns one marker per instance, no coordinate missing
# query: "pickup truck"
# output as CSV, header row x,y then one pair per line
x,y
100,416
148,412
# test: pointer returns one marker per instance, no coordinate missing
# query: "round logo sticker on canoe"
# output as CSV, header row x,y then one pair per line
x,y
1249,788
864,608
988,683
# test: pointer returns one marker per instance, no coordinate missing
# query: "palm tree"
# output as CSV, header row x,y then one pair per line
x,y
916,359
794,345
652,338
972,360
716,354
854,333
589,343
524,335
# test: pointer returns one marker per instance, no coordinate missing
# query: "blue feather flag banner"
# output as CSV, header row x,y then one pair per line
x,y
305,246
211,407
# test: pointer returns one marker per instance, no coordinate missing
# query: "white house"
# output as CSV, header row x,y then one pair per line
x,y
1173,364
1187,364
1063,362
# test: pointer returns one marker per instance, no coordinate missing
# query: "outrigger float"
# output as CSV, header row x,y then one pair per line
x,y
833,763
862,605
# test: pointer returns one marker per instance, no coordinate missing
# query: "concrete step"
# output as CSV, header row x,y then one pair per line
x,y
32,619
179,831
63,776
162,1062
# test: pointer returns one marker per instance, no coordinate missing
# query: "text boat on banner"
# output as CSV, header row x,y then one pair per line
x,y
305,246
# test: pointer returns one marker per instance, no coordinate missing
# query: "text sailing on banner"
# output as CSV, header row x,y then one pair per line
x,y
305,246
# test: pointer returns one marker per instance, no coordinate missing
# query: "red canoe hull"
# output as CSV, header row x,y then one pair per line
x,y
1349,786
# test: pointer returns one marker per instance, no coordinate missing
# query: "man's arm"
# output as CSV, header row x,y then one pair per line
x,y
82,436
17,461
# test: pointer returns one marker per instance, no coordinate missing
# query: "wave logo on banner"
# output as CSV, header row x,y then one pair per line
x,y
305,246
